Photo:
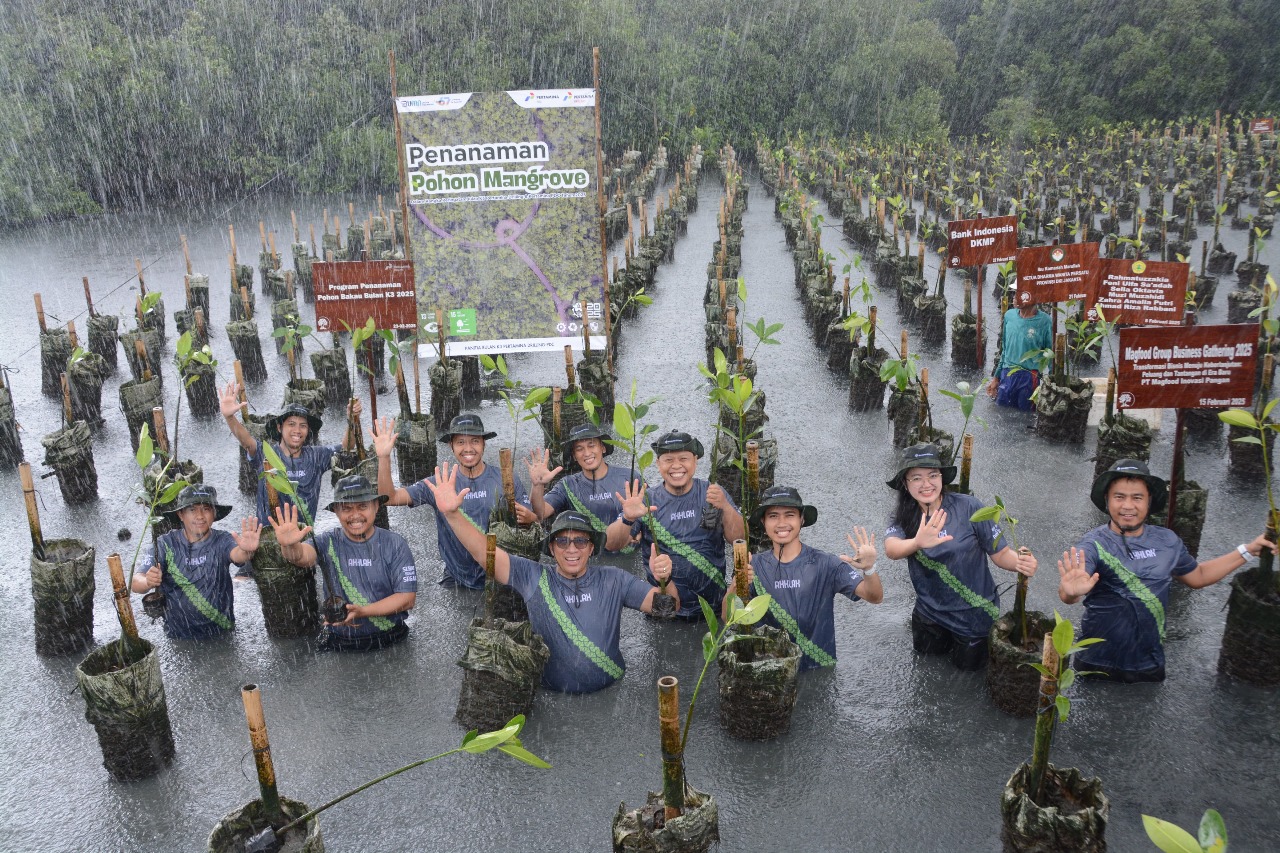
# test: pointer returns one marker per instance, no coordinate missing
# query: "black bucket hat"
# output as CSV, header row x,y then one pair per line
x,y
675,441
584,431
313,422
466,425
784,496
355,489
571,519
921,456
1136,469
198,494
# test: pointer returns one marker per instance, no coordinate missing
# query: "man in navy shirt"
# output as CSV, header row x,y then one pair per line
x,y
674,523
592,491
191,566
1122,570
576,607
466,437
373,567
804,581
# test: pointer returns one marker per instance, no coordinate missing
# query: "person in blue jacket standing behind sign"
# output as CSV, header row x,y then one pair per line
x,y
1026,334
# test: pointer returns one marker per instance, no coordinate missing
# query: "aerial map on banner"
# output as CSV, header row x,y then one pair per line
x,y
503,218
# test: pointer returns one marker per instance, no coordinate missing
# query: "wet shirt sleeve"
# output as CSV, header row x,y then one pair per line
x,y
420,494
556,498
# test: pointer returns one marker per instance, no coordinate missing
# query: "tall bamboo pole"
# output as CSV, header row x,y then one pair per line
x,y
672,752
120,591
252,698
33,511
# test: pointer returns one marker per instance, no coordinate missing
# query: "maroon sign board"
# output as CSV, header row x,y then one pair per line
x,y
1188,367
1141,293
1058,273
976,242
1262,125
350,292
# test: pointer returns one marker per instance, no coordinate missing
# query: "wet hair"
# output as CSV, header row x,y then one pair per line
x,y
906,513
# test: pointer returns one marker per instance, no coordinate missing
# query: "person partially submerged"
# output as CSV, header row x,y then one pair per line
x,y
804,581
191,565
592,491
576,606
1122,570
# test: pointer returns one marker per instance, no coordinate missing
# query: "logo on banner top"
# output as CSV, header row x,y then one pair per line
x,y
1058,254
432,103
543,98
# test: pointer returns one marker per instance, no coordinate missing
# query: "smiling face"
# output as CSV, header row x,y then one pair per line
x,y
293,432
1128,504
782,524
589,454
925,486
357,518
677,469
467,449
196,520
573,554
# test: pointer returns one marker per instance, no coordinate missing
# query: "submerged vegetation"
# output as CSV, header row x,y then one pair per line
x,y
113,104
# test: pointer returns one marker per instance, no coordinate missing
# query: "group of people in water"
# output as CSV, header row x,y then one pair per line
x,y
1121,569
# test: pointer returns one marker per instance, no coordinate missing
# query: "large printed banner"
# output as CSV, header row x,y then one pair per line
x,y
503,218
1187,367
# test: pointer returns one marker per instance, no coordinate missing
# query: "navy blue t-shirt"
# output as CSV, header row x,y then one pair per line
x,y
598,496
1111,609
306,472
478,504
965,556
379,567
206,564
806,588
681,515
593,603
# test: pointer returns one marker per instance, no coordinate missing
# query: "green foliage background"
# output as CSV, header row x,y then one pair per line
x,y
112,103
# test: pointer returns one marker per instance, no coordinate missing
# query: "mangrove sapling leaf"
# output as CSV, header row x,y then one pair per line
x,y
717,636
1171,838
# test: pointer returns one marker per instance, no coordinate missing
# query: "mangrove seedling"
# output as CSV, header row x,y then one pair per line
x,y
157,496
1055,680
506,740
184,356
1260,423
965,396
632,431
718,636
1008,524
735,393
1171,838
521,403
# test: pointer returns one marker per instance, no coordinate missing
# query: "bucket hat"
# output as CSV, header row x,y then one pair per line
x,y
584,431
1136,469
784,496
354,489
466,425
921,456
571,519
675,441
198,493
313,422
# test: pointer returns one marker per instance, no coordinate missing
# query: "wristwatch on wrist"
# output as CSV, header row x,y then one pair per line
x,y
1244,552
871,571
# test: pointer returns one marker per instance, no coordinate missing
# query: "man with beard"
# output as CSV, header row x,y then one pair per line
x,y
373,567
674,523
576,607
804,581
592,492
1122,570
466,437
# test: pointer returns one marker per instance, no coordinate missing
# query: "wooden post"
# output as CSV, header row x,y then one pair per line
x,y
252,698
966,461
88,297
311,226
142,284
1046,717
244,301
140,349
923,412
506,463
293,217
240,392
753,473
162,431
417,383
557,394
66,399
440,331
980,286
731,324
40,314
586,333
491,583
373,388
602,208
402,198
568,367
120,590
672,751
71,335
262,234
844,300
741,588
200,325
1109,412
33,511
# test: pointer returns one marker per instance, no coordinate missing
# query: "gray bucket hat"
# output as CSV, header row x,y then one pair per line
x,y
675,441
355,489
921,456
1136,469
584,431
571,519
198,493
313,423
784,496
466,425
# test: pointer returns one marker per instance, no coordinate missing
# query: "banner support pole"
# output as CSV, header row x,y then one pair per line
x,y
604,237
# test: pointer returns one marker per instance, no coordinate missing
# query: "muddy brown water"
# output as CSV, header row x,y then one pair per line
x,y
887,751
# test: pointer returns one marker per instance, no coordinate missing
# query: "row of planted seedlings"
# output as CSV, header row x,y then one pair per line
x,y
628,182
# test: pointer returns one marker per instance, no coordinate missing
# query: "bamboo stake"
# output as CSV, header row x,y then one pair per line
x,y
252,698
240,392
440,331
200,325
586,334
186,252
40,314
1111,395
244,301
162,431
753,471
33,511
508,480
293,217
88,297
311,226
602,208
417,383
491,584
142,284
140,349
556,396
71,334
66,399
1046,717
262,234
568,367
966,461
672,752
120,591
741,559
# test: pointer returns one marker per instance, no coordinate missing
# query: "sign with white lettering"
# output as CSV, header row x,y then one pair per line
x,y
1141,293
1188,367
1058,273
975,242
348,293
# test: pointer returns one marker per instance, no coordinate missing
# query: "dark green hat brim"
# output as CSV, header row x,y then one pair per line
x,y
808,514
313,423
571,522
359,499
1158,488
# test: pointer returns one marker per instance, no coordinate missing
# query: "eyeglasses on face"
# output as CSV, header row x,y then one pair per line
x,y
931,477
578,542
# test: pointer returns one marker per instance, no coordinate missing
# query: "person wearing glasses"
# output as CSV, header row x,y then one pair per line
x,y
946,553
575,606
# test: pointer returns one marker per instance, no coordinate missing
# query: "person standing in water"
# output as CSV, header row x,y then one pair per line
x,y
593,491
